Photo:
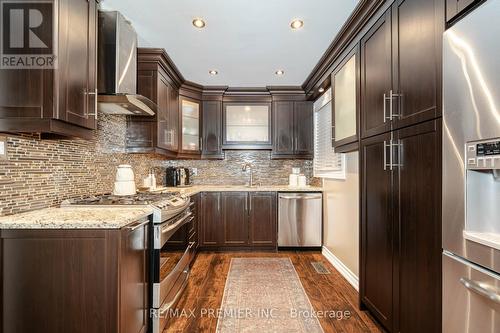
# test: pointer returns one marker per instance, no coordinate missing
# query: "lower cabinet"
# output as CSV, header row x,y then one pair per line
x,y
210,226
401,228
75,281
262,219
237,219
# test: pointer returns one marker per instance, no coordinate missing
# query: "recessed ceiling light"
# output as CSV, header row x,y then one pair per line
x,y
198,23
213,72
321,89
296,24
279,72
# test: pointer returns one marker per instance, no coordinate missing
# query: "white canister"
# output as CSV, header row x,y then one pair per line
x,y
293,180
302,182
124,173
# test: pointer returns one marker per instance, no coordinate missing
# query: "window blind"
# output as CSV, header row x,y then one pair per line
x,y
326,163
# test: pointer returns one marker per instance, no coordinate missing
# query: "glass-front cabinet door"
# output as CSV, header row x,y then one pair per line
x,y
190,113
345,101
247,125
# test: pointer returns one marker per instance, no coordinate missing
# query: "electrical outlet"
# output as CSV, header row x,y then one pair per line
x,y
195,171
3,147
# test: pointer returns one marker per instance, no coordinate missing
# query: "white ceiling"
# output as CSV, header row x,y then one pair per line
x,y
246,41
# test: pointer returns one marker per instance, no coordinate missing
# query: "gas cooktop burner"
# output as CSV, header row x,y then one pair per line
x,y
137,199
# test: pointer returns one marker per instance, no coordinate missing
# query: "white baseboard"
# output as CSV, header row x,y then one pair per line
x,y
343,269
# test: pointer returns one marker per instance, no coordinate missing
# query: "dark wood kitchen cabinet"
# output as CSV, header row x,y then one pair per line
x,y
158,81
75,280
212,130
293,129
376,77
401,87
401,228
210,226
235,218
418,185
60,101
262,219
377,230
417,24
238,220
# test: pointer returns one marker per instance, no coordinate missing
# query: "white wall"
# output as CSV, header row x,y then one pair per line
x,y
341,215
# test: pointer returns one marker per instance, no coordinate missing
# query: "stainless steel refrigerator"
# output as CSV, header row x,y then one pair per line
x,y
471,172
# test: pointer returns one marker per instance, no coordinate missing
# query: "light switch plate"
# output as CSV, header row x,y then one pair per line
x,y
194,171
3,147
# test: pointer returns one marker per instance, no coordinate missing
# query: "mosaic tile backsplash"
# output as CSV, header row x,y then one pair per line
x,y
41,173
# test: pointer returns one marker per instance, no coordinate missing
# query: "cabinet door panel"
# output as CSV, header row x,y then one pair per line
x,y
303,124
417,25
134,281
283,124
173,118
162,116
420,228
211,224
377,230
212,128
235,218
376,76
75,16
262,218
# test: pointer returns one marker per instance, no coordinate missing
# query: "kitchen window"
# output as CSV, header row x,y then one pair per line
x,y
326,163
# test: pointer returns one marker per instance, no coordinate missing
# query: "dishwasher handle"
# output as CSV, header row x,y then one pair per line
x,y
300,196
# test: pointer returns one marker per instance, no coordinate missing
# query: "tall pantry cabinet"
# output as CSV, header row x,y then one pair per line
x,y
400,156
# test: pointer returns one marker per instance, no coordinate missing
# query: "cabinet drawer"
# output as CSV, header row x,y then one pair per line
x,y
470,297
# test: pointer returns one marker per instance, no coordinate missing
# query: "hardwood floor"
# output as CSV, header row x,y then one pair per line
x,y
326,292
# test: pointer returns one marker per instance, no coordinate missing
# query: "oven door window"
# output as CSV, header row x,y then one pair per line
x,y
173,250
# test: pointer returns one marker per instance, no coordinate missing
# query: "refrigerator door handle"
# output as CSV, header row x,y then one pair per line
x,y
479,289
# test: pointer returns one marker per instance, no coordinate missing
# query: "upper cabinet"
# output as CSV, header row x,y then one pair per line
x,y
62,100
376,77
212,130
157,81
345,107
292,129
190,125
400,87
247,126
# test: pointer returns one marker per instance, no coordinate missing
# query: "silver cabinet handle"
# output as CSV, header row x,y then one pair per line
x,y
391,145
390,106
298,197
385,154
137,225
479,289
385,108
93,93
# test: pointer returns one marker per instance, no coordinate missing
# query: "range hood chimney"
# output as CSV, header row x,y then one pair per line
x,y
117,68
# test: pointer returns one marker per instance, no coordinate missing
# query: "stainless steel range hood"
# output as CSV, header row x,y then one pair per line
x,y
117,68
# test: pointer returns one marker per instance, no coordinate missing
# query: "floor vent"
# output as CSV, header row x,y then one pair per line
x,y
320,268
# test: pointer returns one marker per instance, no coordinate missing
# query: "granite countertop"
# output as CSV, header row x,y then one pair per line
x,y
192,190
75,218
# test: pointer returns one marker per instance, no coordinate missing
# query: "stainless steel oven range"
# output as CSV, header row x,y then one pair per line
x,y
171,252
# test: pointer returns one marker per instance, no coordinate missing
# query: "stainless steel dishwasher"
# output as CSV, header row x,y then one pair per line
x,y
300,217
